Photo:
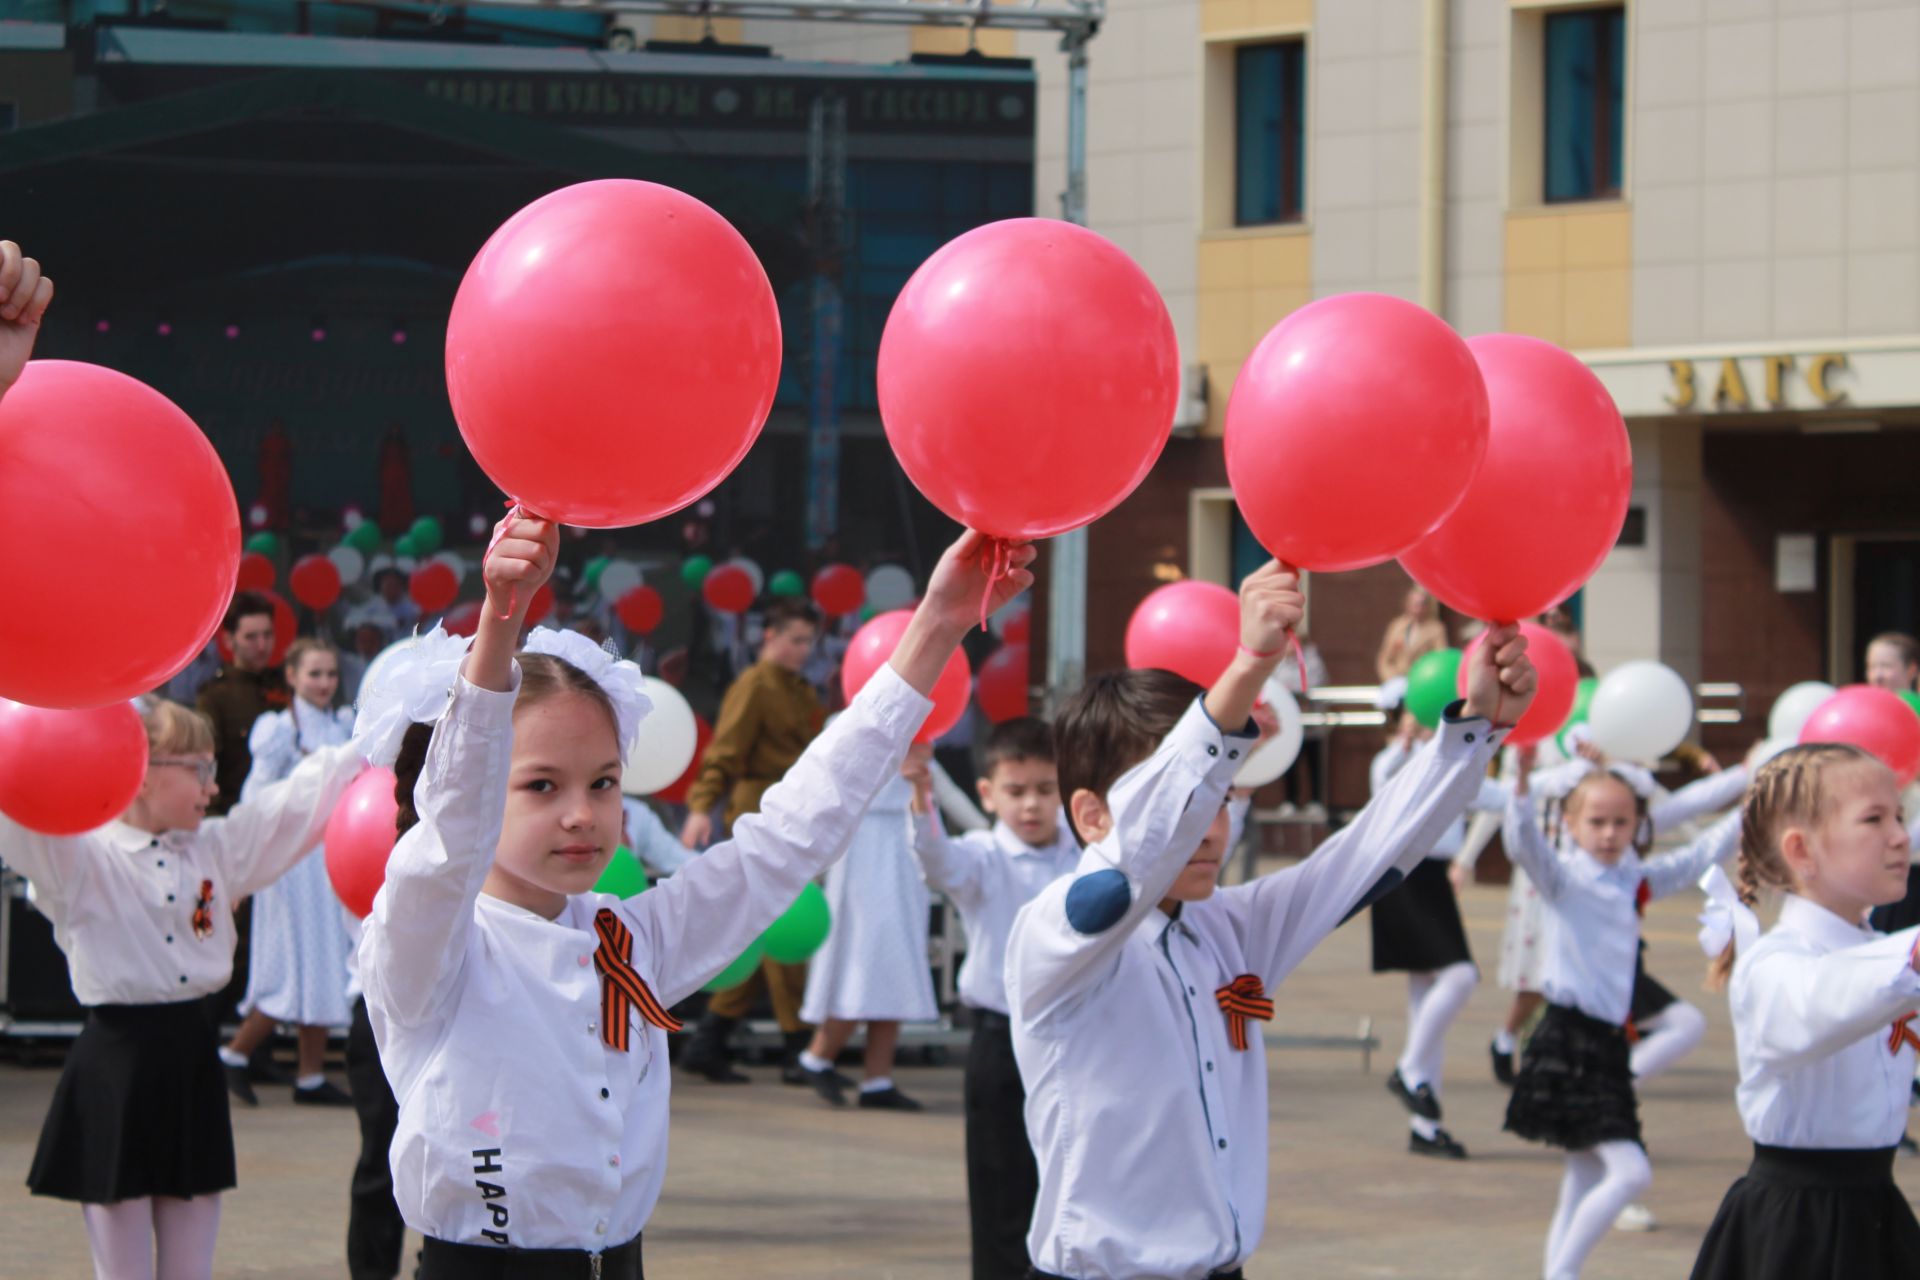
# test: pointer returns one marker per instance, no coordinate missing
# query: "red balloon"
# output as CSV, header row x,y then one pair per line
x,y
875,642
541,605
255,573
1559,682
1017,627
1547,504
612,352
702,735
359,837
64,772
839,589
285,627
1002,686
1189,628
433,586
1027,377
135,520
463,619
728,589
315,582
1869,718
640,610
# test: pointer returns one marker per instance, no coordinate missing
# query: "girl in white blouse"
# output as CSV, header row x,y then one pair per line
x,y
1823,1018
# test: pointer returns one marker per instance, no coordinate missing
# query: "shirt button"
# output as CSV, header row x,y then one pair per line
x,y
1223,1144
1233,755
1469,737
1209,1066
1192,992
163,862
590,1028
1213,751
169,937
600,1228
183,979
169,897
585,961
605,1094
613,1161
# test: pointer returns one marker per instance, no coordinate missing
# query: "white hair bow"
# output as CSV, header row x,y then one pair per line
x,y
618,678
1726,919
407,684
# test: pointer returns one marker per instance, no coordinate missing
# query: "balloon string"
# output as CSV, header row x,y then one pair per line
x,y
1299,660
499,532
1499,688
999,565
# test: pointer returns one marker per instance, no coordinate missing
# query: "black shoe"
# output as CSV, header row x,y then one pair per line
x,y
1440,1146
324,1094
706,1054
1419,1102
239,1086
262,1069
1502,1065
889,1099
829,1084
716,1072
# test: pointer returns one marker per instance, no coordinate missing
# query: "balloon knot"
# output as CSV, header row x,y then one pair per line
x,y
999,553
499,532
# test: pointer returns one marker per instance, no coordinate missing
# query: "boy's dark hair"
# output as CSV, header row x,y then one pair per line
x,y
1112,723
1023,739
246,604
788,610
1901,643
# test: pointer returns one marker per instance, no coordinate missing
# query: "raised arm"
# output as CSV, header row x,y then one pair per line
x,y
24,297
1792,1008
272,747
650,840
1703,796
56,866
261,838
1671,872
1529,850
955,867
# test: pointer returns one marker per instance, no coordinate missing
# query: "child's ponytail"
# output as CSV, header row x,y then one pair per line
x,y
406,775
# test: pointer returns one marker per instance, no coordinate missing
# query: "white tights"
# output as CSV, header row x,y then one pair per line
x,y
1667,1037
126,1235
1599,1182
1434,1000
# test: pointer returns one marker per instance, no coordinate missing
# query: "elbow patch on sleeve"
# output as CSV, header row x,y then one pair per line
x,y
1097,900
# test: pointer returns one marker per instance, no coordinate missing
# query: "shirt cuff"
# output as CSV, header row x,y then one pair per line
x,y
893,703
485,710
1210,749
1464,735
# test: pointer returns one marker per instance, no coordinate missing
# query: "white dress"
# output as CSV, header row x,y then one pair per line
x,y
874,964
297,965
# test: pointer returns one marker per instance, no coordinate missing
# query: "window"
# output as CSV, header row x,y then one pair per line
x,y
1585,78
1246,554
1269,133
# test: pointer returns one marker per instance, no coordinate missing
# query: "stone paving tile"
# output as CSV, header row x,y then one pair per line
x,y
766,1182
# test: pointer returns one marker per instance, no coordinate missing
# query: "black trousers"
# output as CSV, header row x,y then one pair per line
x,y
375,1233
1002,1179
442,1261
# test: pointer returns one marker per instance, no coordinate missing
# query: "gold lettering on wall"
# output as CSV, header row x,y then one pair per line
x,y
1731,392
1817,373
1777,369
1730,387
1682,395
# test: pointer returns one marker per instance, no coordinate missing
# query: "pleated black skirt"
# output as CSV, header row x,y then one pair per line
x,y
1812,1215
140,1110
1417,927
1575,1086
1650,997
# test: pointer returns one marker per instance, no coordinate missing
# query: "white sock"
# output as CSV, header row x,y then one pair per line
x,y
1423,1126
1503,1040
1626,1176
1433,1011
121,1236
1667,1037
812,1063
231,1058
881,1085
313,1081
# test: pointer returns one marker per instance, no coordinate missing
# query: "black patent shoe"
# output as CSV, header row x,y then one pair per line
x,y
1440,1146
1419,1102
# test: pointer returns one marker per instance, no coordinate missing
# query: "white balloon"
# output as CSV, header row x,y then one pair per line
x,y
381,560
351,518
1792,709
664,746
477,525
349,562
618,578
1276,755
889,587
1641,711
452,560
406,564
747,566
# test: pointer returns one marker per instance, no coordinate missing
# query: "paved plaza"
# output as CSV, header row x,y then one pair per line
x,y
766,1182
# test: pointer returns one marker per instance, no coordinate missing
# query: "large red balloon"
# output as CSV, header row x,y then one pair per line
x,y
255,573
1353,430
1547,504
315,582
434,586
612,352
702,735
641,610
359,836
1002,687
728,589
1559,678
135,537
1027,377
1188,628
64,772
839,589
285,628
463,619
1018,627
541,605
875,642
1868,718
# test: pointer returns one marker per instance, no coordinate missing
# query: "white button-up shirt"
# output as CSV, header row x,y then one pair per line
x,y
122,900
988,876
1149,1129
518,1125
1813,1003
1593,918
1490,797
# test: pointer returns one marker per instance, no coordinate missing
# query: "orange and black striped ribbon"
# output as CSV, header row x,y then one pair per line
x,y
203,911
622,989
1241,999
1903,1033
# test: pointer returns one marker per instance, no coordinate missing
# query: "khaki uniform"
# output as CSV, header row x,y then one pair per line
x,y
233,700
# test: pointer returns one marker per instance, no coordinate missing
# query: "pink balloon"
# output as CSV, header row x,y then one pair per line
x,y
256,573
728,589
839,589
875,642
1873,719
315,582
359,836
1547,504
1559,682
1353,429
433,586
1002,689
1188,628
1027,377
612,352
64,772
463,619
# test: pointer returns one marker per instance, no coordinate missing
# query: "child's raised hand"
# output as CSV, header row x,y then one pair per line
x,y
1271,606
1267,721
917,769
1502,681
524,552
960,581
24,295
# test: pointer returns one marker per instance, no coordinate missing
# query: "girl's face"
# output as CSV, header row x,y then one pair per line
x,y
317,677
1603,818
1888,669
1855,857
563,813
175,794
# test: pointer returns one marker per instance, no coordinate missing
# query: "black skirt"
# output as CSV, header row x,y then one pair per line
x,y
1812,1215
1417,928
140,1110
1650,998
1574,1088
1903,914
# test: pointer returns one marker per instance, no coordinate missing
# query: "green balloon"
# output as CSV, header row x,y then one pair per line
x,y
1912,699
786,583
427,536
867,613
266,544
624,875
1582,711
590,573
404,546
801,928
740,970
363,537
695,571
1433,686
